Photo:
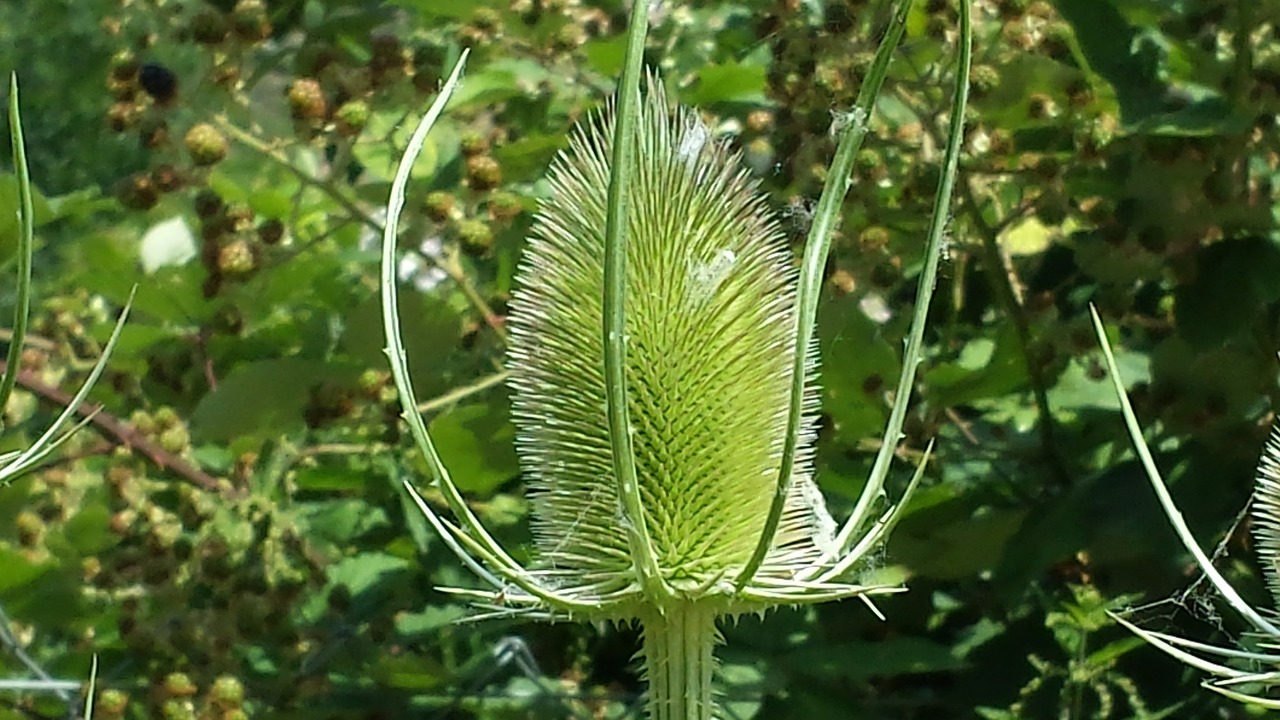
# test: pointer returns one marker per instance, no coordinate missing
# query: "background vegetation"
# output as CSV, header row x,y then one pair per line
x,y
229,536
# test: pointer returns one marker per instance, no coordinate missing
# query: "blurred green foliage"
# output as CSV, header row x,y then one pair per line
x,y
229,536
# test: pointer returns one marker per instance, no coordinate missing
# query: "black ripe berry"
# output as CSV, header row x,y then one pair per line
x,y
159,82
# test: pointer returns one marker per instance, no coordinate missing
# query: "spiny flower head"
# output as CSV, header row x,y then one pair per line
x,y
710,336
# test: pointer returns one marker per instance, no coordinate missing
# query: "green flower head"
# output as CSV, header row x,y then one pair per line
x,y
662,369
710,336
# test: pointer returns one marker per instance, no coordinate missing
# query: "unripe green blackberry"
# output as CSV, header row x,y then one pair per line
x,y
570,37
206,144
178,710
123,115
124,66
166,417
240,218
90,568
372,381
874,239
236,258
122,90
249,20
351,117
483,172
306,100
473,142
164,536
869,165
504,206
439,205
234,714
137,192
1016,35
475,236
486,20
227,692
29,528
982,80
208,26
225,75
111,702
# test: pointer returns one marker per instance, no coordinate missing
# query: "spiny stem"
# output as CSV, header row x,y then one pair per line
x,y
679,661
26,242
817,247
614,325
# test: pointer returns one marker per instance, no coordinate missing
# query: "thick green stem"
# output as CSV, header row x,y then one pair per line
x,y
679,662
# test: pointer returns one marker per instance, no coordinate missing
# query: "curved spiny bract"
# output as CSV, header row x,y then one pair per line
x,y
710,329
1266,514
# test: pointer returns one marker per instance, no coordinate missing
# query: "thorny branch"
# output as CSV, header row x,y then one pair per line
x,y
124,433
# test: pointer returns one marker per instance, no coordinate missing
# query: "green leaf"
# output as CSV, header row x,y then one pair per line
x,y
1077,389
17,571
477,444
1235,283
89,530
500,81
380,158
1119,53
432,332
955,541
529,156
730,82
986,368
342,521
428,620
262,399
365,572
860,365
